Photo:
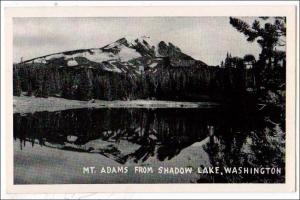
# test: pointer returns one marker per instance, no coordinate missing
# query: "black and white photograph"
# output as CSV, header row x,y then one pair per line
x,y
149,100
112,100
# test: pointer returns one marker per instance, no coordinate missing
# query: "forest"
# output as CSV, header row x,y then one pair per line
x,y
167,83
176,77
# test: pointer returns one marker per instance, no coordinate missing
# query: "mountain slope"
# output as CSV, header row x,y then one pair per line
x,y
126,69
124,55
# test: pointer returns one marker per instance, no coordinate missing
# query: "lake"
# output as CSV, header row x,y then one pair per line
x,y
55,147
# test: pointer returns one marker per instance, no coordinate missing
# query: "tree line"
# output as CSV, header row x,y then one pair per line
x,y
167,83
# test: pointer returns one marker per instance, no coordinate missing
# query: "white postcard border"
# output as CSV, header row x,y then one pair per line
x,y
289,11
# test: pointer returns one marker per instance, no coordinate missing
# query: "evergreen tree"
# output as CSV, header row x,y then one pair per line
x,y
16,85
268,37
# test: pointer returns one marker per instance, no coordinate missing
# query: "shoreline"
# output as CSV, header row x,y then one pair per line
x,y
25,104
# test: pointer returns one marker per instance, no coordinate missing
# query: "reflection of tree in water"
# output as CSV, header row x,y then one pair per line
x,y
124,135
162,133
261,145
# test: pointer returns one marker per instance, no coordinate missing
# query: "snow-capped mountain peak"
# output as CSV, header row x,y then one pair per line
x,y
127,54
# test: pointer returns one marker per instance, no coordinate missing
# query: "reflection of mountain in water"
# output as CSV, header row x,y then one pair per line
x,y
157,135
120,134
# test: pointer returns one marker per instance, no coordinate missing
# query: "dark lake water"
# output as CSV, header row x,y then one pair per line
x,y
149,137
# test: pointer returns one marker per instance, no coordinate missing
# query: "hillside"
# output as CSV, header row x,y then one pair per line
x,y
122,56
125,69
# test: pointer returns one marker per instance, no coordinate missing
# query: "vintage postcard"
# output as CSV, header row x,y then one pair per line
x,y
179,99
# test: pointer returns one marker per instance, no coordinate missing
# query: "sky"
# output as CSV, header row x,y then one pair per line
x,y
205,38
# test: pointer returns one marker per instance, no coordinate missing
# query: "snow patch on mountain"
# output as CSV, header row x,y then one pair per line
x,y
133,40
152,65
40,60
112,68
127,54
99,57
54,56
72,63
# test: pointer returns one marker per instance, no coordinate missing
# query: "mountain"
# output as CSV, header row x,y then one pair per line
x,y
122,56
125,69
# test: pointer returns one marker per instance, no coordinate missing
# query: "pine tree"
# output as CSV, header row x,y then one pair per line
x,y
268,37
46,86
29,88
16,85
